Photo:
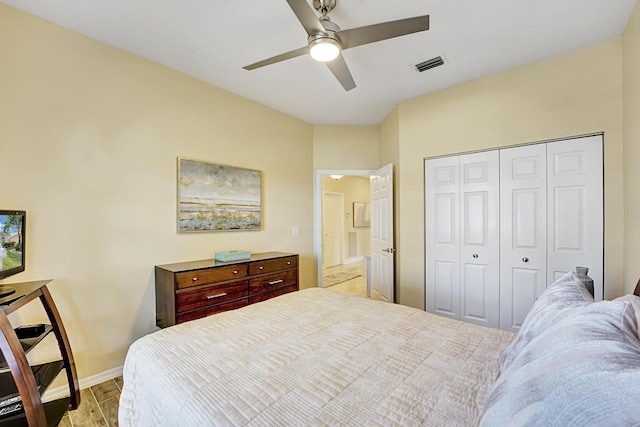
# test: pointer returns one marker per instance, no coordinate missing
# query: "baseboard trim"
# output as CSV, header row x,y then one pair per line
x,y
353,260
62,391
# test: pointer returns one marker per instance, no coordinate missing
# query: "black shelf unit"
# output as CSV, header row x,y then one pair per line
x,y
27,345
22,385
54,411
10,400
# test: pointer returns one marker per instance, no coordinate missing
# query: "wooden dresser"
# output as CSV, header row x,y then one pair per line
x,y
191,290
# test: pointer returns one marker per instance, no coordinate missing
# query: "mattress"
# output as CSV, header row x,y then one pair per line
x,y
313,357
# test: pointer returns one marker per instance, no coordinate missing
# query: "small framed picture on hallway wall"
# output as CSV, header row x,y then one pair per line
x,y
360,214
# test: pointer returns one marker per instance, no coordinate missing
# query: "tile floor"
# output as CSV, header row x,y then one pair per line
x,y
357,286
98,406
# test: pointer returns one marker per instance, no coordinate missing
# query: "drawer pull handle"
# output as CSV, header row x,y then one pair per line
x,y
261,268
224,294
275,282
194,279
235,271
288,262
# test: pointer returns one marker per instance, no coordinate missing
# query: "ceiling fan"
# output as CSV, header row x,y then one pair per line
x,y
326,40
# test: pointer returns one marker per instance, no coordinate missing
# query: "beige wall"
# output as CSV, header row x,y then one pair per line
x,y
567,95
90,137
345,147
390,138
631,73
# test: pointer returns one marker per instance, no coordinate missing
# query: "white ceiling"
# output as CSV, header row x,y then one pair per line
x,y
213,39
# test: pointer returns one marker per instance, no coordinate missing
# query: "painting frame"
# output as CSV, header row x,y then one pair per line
x,y
361,215
214,197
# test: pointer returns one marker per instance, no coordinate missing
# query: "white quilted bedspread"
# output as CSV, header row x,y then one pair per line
x,y
312,358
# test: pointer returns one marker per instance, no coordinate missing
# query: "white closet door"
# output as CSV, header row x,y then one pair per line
x,y
443,239
575,208
523,236
480,238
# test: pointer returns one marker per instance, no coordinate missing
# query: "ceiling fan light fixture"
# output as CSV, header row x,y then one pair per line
x,y
324,49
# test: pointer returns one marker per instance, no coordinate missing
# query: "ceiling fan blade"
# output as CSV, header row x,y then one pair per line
x,y
306,16
339,69
278,58
386,30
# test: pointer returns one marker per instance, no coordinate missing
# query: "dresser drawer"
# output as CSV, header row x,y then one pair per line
x,y
274,293
210,295
267,266
208,311
210,275
273,281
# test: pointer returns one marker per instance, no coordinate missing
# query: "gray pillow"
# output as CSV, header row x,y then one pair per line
x,y
582,371
634,300
554,304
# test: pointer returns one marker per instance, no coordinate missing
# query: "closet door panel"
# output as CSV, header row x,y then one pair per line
x,y
476,306
575,208
569,202
523,250
523,295
479,251
446,295
443,236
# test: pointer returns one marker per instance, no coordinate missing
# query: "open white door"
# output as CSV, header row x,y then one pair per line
x,y
382,250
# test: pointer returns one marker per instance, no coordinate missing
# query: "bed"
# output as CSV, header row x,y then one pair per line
x,y
318,357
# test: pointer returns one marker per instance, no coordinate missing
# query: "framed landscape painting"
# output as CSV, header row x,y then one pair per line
x,y
213,197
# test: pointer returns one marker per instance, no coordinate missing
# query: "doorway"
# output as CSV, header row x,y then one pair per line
x,y
380,264
343,247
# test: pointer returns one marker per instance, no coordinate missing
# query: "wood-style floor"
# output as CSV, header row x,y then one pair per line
x,y
98,406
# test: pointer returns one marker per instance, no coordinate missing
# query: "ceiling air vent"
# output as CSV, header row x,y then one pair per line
x,y
429,64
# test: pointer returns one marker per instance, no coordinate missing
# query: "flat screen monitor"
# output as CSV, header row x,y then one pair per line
x,y
12,242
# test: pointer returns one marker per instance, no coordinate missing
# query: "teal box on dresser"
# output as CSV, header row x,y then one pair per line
x,y
231,256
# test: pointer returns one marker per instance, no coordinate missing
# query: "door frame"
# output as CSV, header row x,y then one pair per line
x,y
317,209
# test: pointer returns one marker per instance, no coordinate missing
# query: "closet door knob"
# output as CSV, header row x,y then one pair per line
x,y
475,255
525,259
